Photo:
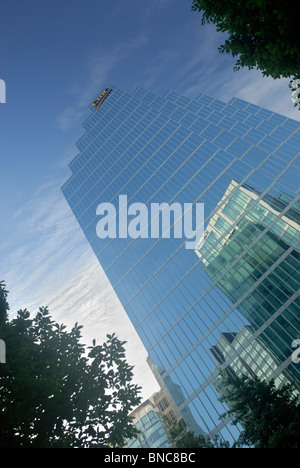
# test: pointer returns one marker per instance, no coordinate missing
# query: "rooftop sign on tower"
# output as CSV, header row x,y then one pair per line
x,y
101,98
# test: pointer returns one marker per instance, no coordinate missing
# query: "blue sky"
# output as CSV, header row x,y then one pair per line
x,y
55,57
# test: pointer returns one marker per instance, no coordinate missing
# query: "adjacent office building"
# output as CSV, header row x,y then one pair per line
x,y
155,420
248,356
173,394
143,149
157,417
251,249
153,429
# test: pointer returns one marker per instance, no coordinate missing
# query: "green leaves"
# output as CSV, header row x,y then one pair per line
x,y
270,417
263,33
55,392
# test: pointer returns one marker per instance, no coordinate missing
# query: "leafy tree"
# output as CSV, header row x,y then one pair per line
x,y
56,393
269,416
263,34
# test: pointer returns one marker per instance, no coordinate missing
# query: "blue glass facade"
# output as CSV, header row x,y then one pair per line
x,y
167,149
253,241
153,430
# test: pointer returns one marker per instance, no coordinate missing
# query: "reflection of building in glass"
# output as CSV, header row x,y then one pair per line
x,y
171,148
251,248
239,354
156,416
153,429
174,395
254,254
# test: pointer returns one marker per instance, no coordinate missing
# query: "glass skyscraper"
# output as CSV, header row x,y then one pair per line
x,y
175,150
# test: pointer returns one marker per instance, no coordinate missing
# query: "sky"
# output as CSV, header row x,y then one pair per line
x,y
55,58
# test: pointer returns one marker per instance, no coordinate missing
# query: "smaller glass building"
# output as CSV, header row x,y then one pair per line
x,y
251,249
156,417
153,429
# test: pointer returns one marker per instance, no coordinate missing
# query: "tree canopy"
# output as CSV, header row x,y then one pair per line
x,y
57,393
264,34
269,416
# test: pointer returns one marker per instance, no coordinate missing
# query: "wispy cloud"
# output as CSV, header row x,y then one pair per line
x,y
44,231
89,299
99,68
54,266
205,70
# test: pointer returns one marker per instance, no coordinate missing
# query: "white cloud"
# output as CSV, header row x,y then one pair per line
x,y
200,68
89,299
54,266
211,73
99,67
69,116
